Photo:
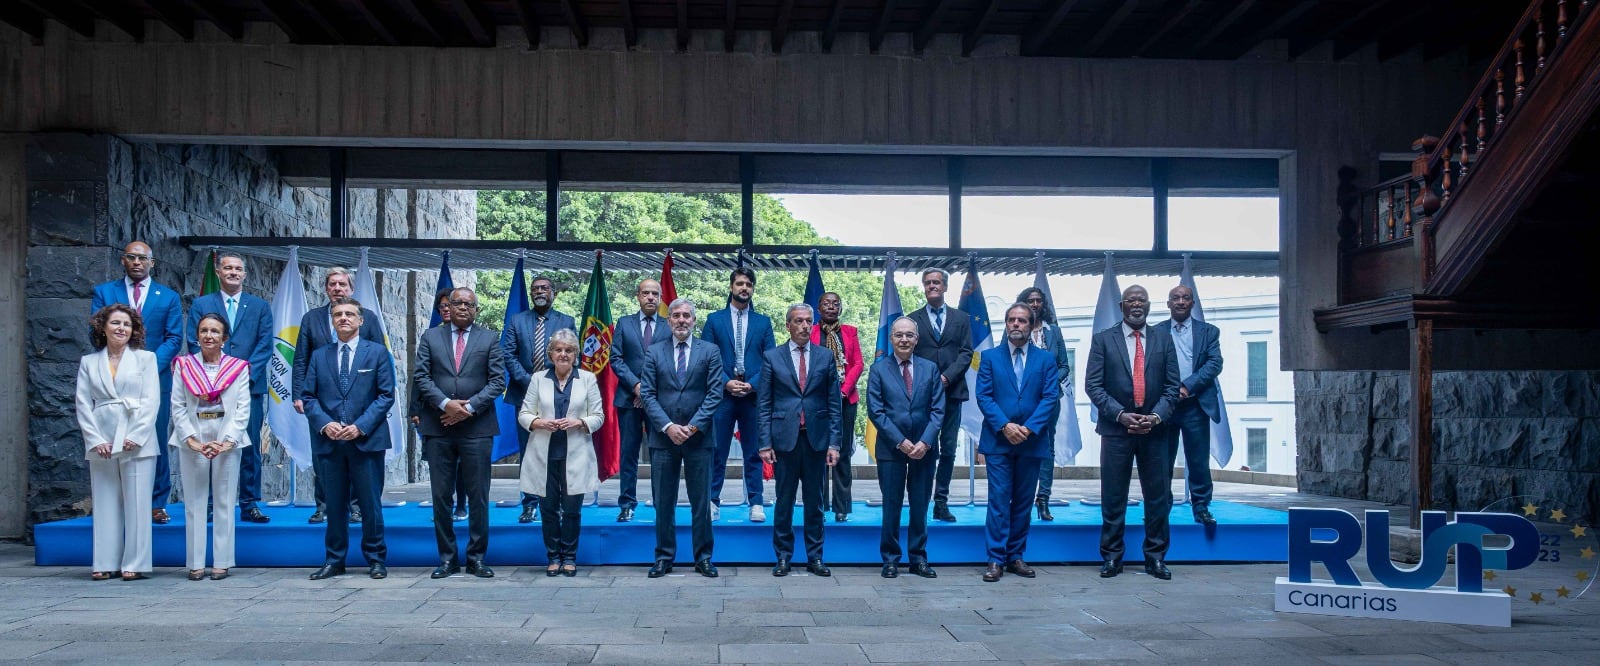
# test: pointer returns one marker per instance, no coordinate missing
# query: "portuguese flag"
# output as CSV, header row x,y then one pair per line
x,y
596,333
210,283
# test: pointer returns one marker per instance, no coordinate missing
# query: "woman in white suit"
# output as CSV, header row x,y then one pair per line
x,y
561,410
210,416
118,394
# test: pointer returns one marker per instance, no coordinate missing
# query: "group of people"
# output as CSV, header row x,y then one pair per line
x,y
679,397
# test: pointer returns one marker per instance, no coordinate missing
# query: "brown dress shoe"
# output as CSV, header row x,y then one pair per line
x,y
993,573
1020,568
159,516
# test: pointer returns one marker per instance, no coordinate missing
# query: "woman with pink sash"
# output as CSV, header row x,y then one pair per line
x,y
210,413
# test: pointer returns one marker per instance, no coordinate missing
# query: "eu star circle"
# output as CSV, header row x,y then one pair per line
x,y
1569,553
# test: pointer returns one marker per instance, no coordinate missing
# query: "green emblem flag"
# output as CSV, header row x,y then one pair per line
x,y
595,331
211,283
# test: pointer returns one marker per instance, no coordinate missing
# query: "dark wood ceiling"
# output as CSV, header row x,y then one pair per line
x,y
1195,29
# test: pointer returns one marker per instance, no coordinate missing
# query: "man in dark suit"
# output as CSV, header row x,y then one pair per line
x,y
1046,335
527,344
316,332
742,335
347,393
250,332
1019,392
162,311
441,308
1132,381
844,342
680,389
800,408
460,371
1199,350
946,339
632,336
905,401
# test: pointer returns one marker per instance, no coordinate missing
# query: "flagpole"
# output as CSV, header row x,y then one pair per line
x,y
972,450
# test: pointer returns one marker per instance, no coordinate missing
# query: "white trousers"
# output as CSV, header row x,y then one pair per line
x,y
209,481
121,488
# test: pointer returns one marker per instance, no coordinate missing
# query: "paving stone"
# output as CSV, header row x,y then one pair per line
x,y
736,635
782,653
1263,629
1385,660
927,652
679,653
885,619
765,620
10,649
865,635
1054,632
1055,650
601,635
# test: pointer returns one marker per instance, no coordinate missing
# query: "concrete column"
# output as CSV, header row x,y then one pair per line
x,y
13,324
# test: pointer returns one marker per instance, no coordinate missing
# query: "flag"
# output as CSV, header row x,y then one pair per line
x,y
669,291
445,282
1068,440
366,293
596,327
505,443
1108,308
888,311
211,284
1221,433
288,307
814,292
977,311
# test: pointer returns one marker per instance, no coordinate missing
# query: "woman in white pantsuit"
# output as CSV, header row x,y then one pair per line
x,y
210,414
118,394
560,412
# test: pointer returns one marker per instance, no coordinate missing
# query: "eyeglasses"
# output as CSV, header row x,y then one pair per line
x,y
138,258
464,304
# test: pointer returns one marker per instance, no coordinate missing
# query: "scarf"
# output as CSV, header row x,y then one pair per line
x,y
830,337
201,384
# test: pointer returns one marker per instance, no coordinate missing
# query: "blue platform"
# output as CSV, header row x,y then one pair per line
x,y
1244,534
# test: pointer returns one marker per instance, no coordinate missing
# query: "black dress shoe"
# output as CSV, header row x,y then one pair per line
x,y
378,571
1203,516
254,515
527,515
660,568
159,516
625,515
941,511
841,517
317,517
1110,568
781,569
328,571
993,573
1020,568
891,570
479,569
459,515
1044,510
817,568
355,516
1158,569
706,568
445,570
922,569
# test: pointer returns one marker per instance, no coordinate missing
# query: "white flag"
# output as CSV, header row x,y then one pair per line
x,y
366,292
1068,440
288,307
1221,433
1108,309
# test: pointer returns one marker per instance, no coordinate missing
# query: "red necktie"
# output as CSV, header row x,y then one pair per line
x,y
905,371
461,347
1138,369
136,299
802,384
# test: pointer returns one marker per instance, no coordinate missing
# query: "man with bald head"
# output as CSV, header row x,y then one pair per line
x,y
633,337
162,311
1199,362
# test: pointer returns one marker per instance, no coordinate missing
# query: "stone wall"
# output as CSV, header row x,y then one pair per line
x,y
1497,434
89,195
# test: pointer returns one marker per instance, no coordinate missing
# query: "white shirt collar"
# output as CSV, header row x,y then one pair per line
x,y
794,348
1127,331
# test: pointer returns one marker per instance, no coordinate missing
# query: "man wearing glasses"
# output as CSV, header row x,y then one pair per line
x,y
162,312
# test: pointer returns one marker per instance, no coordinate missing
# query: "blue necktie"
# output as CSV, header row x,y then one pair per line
x,y
938,323
344,368
683,360
1017,364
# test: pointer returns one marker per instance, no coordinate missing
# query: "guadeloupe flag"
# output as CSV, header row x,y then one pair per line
x,y
596,329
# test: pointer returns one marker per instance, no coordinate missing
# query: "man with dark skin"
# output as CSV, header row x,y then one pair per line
x,y
526,344
1199,354
844,342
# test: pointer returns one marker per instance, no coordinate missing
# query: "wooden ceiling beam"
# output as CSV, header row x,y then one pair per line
x,y
830,29
1172,23
373,22
1283,22
929,25
115,14
323,23
730,20
780,26
1232,17
1101,36
290,25
630,30
413,14
471,17
529,20
575,22
969,38
229,23
1298,46
74,17
23,18
173,15
682,16
1045,24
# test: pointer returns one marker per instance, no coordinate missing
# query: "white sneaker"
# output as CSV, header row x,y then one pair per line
x,y
716,513
758,513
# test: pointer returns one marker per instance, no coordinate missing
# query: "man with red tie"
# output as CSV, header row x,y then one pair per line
x,y
1132,381
844,342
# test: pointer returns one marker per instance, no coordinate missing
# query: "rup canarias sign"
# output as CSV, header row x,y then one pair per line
x,y
1333,537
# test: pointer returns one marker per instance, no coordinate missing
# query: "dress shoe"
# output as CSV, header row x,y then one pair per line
x,y
841,517
459,515
328,571
625,515
716,512
1158,569
1203,516
1044,510
993,573
378,571
318,516
219,574
1110,568
1020,568
922,569
445,570
355,516
758,513
159,516
891,570
706,568
941,511
254,515
660,568
197,574
527,515
781,569
817,568
479,569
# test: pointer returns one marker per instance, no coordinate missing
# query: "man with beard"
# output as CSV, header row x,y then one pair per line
x,y
1046,335
743,336
844,342
680,388
527,342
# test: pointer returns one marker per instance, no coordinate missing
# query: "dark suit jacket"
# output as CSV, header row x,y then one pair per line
x,y
757,340
691,402
520,345
1108,379
250,339
1202,384
481,380
366,404
952,351
627,353
779,400
1032,404
316,331
162,315
414,401
897,416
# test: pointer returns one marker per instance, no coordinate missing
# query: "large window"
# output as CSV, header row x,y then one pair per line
x,y
1223,223
1256,453
1111,223
1257,353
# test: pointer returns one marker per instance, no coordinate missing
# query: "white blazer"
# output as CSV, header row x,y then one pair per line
x,y
120,410
232,427
583,469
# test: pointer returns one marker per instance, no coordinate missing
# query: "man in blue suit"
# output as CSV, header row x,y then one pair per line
x,y
743,336
1047,336
800,409
527,344
250,334
347,394
630,338
317,331
1132,381
1019,393
680,389
162,311
1199,351
905,401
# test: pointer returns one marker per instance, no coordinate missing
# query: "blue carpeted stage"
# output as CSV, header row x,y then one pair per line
x,y
1244,534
